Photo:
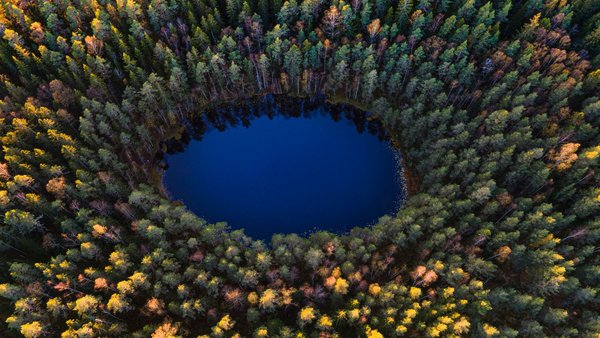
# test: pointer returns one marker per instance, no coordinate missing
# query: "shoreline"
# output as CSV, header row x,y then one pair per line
x,y
158,169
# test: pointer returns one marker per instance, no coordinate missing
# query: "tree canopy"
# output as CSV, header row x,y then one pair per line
x,y
495,105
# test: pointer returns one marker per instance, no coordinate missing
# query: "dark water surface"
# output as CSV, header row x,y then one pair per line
x,y
288,174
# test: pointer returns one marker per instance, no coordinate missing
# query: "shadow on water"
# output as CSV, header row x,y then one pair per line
x,y
242,114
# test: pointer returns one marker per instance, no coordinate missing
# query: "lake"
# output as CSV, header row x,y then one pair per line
x,y
276,173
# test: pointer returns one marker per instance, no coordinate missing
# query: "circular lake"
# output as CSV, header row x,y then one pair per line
x,y
282,174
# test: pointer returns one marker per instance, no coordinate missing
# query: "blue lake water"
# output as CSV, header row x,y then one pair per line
x,y
287,175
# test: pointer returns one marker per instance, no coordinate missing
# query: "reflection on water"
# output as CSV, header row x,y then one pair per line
x,y
280,166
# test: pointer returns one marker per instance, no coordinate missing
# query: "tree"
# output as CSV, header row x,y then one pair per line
x,y
331,22
374,28
292,63
21,222
85,305
288,14
565,157
32,330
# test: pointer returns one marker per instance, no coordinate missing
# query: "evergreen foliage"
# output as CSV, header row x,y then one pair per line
x,y
495,105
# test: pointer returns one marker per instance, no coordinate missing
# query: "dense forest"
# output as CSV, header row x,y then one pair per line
x,y
495,105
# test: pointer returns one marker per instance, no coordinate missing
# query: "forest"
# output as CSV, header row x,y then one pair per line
x,y
495,105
